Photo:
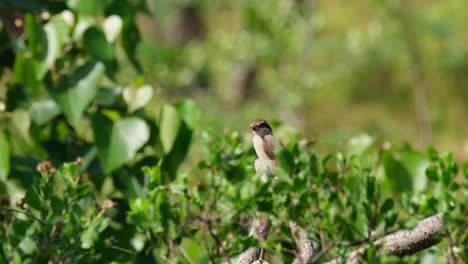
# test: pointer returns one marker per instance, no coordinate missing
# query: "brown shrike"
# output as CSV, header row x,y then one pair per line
x,y
265,144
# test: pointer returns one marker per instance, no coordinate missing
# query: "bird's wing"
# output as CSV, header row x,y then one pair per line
x,y
269,145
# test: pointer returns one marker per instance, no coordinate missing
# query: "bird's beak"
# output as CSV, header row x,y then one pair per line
x,y
252,127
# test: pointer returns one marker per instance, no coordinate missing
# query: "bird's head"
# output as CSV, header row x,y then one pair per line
x,y
261,127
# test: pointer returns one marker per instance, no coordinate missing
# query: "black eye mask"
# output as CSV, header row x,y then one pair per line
x,y
264,125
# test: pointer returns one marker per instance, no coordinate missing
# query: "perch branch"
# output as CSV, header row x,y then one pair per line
x,y
406,242
260,230
305,247
249,256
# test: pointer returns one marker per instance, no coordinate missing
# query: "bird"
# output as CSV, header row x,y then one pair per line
x,y
265,145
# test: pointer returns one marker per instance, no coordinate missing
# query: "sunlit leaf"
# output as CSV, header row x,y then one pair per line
x,y
118,142
169,126
18,132
4,156
42,112
25,73
88,7
112,26
137,97
189,112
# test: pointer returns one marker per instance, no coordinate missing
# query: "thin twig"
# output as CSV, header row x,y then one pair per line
x,y
218,242
323,252
25,213
128,251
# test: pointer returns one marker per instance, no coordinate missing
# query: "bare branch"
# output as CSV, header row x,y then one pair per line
x,y
407,242
25,213
249,256
305,247
260,226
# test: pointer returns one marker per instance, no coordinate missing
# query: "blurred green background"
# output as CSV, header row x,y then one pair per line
x,y
396,70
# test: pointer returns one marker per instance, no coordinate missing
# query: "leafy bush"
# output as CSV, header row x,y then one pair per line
x,y
206,215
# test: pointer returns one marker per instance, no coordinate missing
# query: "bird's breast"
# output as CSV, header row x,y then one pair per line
x,y
264,147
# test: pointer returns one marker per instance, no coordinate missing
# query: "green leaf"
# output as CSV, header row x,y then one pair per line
x,y
465,170
137,98
107,96
25,73
91,234
139,205
130,40
189,112
154,173
112,26
28,246
138,213
118,142
33,199
169,127
370,188
432,153
34,33
286,160
387,206
396,173
178,152
96,43
4,157
371,254
54,37
88,7
194,249
432,173
76,91
83,23
42,112
416,164
18,132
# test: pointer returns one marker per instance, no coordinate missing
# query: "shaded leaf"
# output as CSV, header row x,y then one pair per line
x,y
32,199
75,92
396,173
416,164
387,206
432,173
96,43
130,40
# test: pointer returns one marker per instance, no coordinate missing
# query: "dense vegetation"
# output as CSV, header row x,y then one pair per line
x,y
98,164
